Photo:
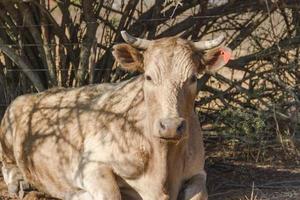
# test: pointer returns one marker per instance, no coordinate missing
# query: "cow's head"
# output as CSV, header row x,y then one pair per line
x,y
170,66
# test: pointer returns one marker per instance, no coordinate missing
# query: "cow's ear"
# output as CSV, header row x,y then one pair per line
x,y
214,59
129,58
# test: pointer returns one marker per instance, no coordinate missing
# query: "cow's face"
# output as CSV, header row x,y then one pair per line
x,y
170,67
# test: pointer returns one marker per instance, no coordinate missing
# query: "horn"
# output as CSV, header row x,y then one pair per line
x,y
135,41
209,44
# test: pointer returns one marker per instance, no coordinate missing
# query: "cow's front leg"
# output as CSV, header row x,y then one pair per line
x,y
14,180
96,181
194,188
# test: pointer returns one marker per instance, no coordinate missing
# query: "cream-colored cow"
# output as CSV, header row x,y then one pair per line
x,y
138,139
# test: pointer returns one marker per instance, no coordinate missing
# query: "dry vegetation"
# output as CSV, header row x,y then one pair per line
x,y
249,109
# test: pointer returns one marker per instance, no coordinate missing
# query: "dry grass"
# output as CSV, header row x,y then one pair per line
x,y
253,196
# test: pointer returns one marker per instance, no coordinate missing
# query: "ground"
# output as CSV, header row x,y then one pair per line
x,y
233,180
244,181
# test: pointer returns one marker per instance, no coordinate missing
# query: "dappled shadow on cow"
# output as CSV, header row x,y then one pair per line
x,y
139,139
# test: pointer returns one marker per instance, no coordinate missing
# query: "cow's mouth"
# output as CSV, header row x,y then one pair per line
x,y
171,139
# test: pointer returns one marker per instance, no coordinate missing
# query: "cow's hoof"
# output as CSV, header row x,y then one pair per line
x,y
13,189
18,189
24,186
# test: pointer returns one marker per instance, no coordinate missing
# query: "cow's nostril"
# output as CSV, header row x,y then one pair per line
x,y
162,126
181,128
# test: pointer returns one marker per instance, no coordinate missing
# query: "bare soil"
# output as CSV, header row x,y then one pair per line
x,y
244,181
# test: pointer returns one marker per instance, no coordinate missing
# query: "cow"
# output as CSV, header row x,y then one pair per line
x,y
137,139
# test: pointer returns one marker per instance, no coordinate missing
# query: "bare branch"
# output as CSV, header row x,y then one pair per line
x,y
23,65
90,13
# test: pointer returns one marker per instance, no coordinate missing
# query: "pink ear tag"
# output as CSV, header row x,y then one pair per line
x,y
227,54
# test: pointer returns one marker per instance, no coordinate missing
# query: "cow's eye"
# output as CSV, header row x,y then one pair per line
x,y
148,78
193,79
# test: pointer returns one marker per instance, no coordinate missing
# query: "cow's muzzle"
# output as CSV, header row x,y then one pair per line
x,y
172,128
